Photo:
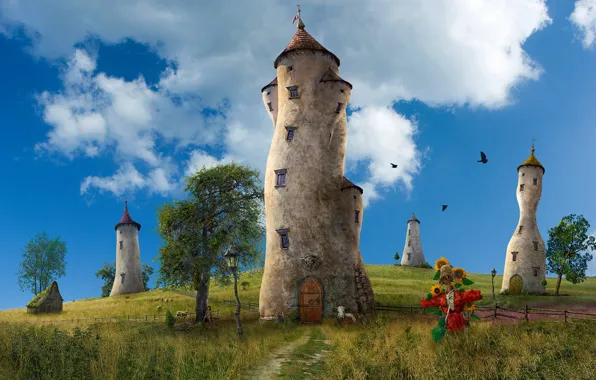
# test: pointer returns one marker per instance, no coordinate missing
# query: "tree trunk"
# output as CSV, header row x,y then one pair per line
x,y
202,298
558,283
238,323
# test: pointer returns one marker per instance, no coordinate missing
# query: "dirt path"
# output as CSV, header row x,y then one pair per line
x,y
271,368
302,359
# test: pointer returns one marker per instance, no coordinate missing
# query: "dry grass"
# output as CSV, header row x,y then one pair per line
x,y
401,348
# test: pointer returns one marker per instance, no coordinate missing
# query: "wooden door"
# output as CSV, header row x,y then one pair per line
x,y
515,284
311,305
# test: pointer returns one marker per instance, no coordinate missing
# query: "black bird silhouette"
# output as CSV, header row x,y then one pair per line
x,y
393,165
444,208
483,158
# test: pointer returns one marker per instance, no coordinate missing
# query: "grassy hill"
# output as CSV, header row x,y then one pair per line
x,y
393,285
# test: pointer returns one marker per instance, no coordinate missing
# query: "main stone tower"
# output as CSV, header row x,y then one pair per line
x,y
313,213
412,253
525,263
128,256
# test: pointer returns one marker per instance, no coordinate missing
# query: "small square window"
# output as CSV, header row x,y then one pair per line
x,y
339,106
290,134
514,254
121,243
354,196
290,68
280,179
285,241
520,229
342,91
356,216
535,271
523,174
535,181
268,92
293,91
270,106
535,245
521,187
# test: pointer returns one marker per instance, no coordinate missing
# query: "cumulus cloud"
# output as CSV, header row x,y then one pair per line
x,y
454,52
584,18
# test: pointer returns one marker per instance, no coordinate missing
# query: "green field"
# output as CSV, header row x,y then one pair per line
x,y
392,346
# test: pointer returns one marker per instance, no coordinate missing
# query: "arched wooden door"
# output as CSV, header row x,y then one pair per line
x,y
311,301
515,284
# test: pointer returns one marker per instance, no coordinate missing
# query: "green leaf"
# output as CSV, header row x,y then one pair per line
x,y
438,333
437,275
466,281
442,322
431,309
429,296
438,312
474,316
457,285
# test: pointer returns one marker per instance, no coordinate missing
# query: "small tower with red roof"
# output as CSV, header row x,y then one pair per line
x,y
128,277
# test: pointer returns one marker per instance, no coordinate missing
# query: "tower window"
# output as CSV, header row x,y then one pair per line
x,y
356,216
409,231
285,242
290,134
121,244
280,179
354,196
535,271
523,174
535,181
409,243
521,187
535,245
409,256
520,229
268,92
338,109
514,254
293,91
290,68
342,91
270,106
122,275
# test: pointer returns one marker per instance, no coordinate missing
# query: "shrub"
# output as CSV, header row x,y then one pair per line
x,y
170,319
543,282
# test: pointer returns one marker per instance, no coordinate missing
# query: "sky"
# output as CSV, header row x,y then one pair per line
x,y
102,101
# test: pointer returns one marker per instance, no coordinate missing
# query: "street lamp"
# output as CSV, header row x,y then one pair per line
x,y
231,257
493,273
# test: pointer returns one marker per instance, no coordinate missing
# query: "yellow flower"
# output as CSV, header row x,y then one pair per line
x,y
439,263
435,290
470,306
459,274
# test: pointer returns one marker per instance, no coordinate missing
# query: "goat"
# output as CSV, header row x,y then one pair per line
x,y
181,313
341,314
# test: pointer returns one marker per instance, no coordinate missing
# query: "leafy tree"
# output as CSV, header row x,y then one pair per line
x,y
566,242
224,206
108,272
43,262
396,257
245,285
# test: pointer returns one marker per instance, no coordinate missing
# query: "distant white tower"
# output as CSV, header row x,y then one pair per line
x,y
412,253
525,263
128,256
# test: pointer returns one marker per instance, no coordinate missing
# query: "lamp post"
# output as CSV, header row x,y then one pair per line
x,y
493,273
231,257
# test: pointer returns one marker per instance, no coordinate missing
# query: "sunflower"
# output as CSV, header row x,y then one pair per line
x,y
459,274
470,306
439,263
436,290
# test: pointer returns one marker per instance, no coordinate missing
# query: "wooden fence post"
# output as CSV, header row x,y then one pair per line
x,y
526,313
145,318
411,310
565,313
496,307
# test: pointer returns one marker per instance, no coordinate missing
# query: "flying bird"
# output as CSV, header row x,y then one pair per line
x,y
393,165
444,207
483,158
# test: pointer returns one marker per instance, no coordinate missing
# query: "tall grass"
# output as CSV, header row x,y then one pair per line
x,y
400,348
134,351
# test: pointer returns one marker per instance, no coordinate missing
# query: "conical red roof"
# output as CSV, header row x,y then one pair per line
x,y
126,218
302,40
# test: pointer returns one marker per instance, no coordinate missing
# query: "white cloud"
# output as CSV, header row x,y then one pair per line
x,y
584,18
452,52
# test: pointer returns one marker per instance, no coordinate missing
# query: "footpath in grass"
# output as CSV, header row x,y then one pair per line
x,y
307,360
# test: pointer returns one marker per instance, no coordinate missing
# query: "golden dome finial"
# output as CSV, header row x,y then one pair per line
x,y
300,24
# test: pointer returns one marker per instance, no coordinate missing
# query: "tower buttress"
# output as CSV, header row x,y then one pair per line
x,y
525,261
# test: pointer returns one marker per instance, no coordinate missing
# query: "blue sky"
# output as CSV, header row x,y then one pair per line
x,y
44,189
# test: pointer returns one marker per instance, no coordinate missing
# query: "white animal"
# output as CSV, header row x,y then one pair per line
x,y
341,314
181,313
